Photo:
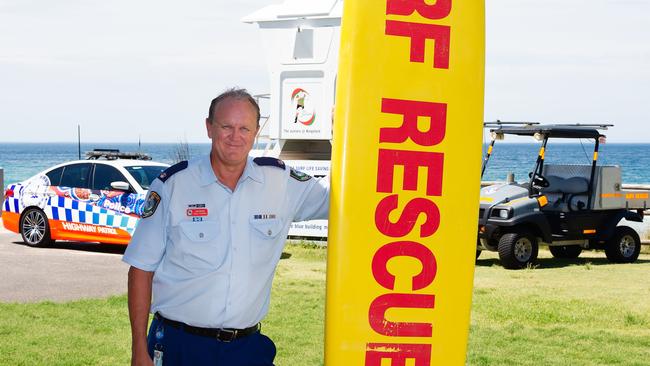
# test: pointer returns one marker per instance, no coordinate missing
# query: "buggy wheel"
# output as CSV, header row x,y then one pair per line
x,y
34,228
624,246
566,251
517,250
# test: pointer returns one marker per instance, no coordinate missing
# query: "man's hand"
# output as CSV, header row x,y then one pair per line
x,y
140,357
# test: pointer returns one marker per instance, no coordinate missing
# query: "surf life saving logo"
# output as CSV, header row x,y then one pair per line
x,y
304,108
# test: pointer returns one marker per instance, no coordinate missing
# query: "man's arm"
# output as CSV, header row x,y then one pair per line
x,y
313,202
139,304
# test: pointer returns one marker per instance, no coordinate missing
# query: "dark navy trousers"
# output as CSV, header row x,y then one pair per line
x,y
181,348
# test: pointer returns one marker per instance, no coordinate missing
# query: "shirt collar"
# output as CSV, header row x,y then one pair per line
x,y
252,171
207,175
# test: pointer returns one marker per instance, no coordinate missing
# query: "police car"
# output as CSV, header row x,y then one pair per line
x,y
99,199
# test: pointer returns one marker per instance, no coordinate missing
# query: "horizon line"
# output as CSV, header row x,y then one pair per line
x,y
209,142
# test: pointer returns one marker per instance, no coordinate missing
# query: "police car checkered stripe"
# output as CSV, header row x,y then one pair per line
x,y
12,203
66,209
61,208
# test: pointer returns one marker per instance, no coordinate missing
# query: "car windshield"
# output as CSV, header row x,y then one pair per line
x,y
144,175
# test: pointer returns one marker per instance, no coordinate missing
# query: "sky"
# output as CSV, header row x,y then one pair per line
x,y
126,70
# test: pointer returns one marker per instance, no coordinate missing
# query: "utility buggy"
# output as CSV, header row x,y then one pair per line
x,y
567,207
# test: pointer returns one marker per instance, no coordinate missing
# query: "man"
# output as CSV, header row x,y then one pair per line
x,y
212,233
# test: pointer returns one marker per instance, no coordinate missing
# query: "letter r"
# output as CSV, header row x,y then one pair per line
x,y
439,10
411,110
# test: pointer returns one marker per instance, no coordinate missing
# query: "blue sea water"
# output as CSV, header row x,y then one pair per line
x,y
22,160
520,158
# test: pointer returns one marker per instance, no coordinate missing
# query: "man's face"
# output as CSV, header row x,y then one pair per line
x,y
232,130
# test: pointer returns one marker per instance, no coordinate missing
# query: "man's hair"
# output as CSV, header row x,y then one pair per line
x,y
234,93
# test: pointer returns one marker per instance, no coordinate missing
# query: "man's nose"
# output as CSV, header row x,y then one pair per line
x,y
231,134
238,134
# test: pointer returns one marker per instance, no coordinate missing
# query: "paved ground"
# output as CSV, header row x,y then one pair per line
x,y
64,272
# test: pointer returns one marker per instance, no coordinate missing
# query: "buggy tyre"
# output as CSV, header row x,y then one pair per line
x,y
517,250
566,251
34,228
624,246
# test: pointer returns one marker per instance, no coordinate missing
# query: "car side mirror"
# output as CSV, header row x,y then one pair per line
x,y
120,186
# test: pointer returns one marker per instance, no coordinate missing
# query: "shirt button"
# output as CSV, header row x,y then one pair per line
x,y
201,235
269,232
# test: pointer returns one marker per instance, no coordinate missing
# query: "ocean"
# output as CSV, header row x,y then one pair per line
x,y
634,159
23,160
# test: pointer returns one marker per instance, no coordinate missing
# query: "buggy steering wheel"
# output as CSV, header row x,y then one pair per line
x,y
539,180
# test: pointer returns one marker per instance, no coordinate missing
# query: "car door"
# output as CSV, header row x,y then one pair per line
x,y
119,209
70,195
122,201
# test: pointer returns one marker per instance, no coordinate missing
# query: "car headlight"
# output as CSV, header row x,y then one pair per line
x,y
502,213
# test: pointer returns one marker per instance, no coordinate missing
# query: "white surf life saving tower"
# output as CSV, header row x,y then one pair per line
x,y
301,41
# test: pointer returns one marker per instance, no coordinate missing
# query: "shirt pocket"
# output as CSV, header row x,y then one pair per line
x,y
265,240
198,249
202,231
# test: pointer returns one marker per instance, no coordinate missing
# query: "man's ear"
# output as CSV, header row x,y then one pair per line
x,y
207,127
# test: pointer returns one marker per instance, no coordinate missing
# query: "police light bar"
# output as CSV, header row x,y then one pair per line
x,y
114,154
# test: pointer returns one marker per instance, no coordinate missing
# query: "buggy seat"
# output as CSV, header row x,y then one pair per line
x,y
568,187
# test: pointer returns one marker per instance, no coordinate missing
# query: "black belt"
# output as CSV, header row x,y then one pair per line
x,y
221,334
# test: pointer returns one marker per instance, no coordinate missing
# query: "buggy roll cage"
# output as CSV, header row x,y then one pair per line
x,y
543,133
496,136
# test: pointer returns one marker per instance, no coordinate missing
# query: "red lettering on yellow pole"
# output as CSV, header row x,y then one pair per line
x,y
419,33
404,248
381,325
411,110
411,160
408,218
438,10
397,353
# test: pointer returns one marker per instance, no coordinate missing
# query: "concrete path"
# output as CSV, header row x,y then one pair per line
x,y
67,271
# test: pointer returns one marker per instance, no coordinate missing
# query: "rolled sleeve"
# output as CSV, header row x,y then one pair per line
x,y
147,246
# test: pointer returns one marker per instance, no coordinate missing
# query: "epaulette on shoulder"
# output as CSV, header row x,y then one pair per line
x,y
172,170
267,161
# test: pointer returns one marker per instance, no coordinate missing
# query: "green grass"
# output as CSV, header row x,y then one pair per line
x,y
581,312
295,321
88,332
561,312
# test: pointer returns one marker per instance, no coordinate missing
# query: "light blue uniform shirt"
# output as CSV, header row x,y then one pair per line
x,y
214,251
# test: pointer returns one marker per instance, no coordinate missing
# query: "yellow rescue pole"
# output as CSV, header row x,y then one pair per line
x,y
405,182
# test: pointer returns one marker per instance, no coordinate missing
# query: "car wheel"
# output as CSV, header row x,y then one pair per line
x,y
517,250
624,246
34,228
566,251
